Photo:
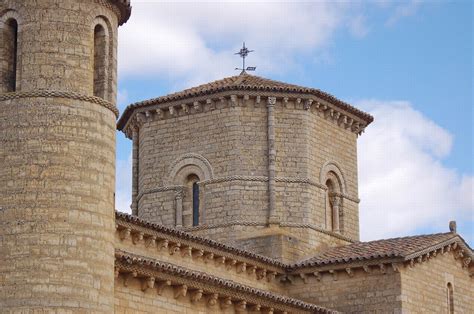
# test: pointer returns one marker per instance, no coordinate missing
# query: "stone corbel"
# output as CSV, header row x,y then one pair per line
x,y
161,286
159,113
128,277
163,244
412,263
180,291
141,118
261,273
212,299
116,272
208,257
286,102
366,268
328,113
255,308
304,278
187,251
269,310
382,268
246,99
226,303
150,241
210,104
317,274
334,274
271,101
137,237
258,100
241,306
307,104
395,267
466,262
197,254
233,101
172,111
349,272
220,261
197,106
271,276
241,267
185,108
174,248
148,115
196,296
251,270
231,263
148,283
125,233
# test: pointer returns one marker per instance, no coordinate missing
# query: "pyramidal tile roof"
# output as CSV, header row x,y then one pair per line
x,y
242,82
403,248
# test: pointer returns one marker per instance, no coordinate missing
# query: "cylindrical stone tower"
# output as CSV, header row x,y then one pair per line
x,y
57,153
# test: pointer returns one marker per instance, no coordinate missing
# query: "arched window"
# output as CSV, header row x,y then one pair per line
x,y
9,56
450,298
333,206
195,204
100,61
191,199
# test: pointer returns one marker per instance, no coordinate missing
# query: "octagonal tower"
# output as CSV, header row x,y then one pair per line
x,y
264,165
57,153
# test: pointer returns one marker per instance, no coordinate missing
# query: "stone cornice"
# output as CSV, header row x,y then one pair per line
x,y
200,104
129,225
40,93
121,8
181,279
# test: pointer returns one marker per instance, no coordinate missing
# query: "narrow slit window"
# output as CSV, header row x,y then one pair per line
x,y
100,61
195,204
9,56
450,298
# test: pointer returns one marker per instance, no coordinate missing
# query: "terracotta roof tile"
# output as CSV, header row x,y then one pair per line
x,y
243,81
387,248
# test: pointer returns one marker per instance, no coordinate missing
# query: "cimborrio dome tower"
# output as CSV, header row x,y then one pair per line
x,y
57,153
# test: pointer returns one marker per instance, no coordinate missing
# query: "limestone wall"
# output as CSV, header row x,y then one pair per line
x,y
425,286
57,157
369,293
224,141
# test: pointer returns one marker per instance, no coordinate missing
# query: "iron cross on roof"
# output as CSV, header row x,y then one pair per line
x,y
243,53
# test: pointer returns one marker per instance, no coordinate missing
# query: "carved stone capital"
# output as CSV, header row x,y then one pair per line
x,y
271,101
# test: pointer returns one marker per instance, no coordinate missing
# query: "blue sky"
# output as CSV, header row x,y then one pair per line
x,y
409,63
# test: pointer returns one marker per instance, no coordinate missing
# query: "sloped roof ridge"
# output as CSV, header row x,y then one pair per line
x,y
400,247
199,239
131,258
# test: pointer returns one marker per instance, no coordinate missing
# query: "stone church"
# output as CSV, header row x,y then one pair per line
x,y
244,198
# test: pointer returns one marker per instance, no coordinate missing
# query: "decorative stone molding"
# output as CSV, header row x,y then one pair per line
x,y
332,166
191,159
224,292
205,103
60,94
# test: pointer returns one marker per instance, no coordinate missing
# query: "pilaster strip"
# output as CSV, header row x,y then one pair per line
x,y
59,94
272,214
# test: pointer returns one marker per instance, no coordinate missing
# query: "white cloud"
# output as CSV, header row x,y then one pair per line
x,y
358,26
404,186
123,184
195,42
402,10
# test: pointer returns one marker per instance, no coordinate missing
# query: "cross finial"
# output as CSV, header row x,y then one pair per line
x,y
243,53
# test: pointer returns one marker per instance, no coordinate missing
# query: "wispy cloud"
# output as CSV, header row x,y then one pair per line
x,y
404,186
403,9
195,42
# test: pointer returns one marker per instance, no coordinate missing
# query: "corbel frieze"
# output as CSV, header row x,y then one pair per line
x,y
308,103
